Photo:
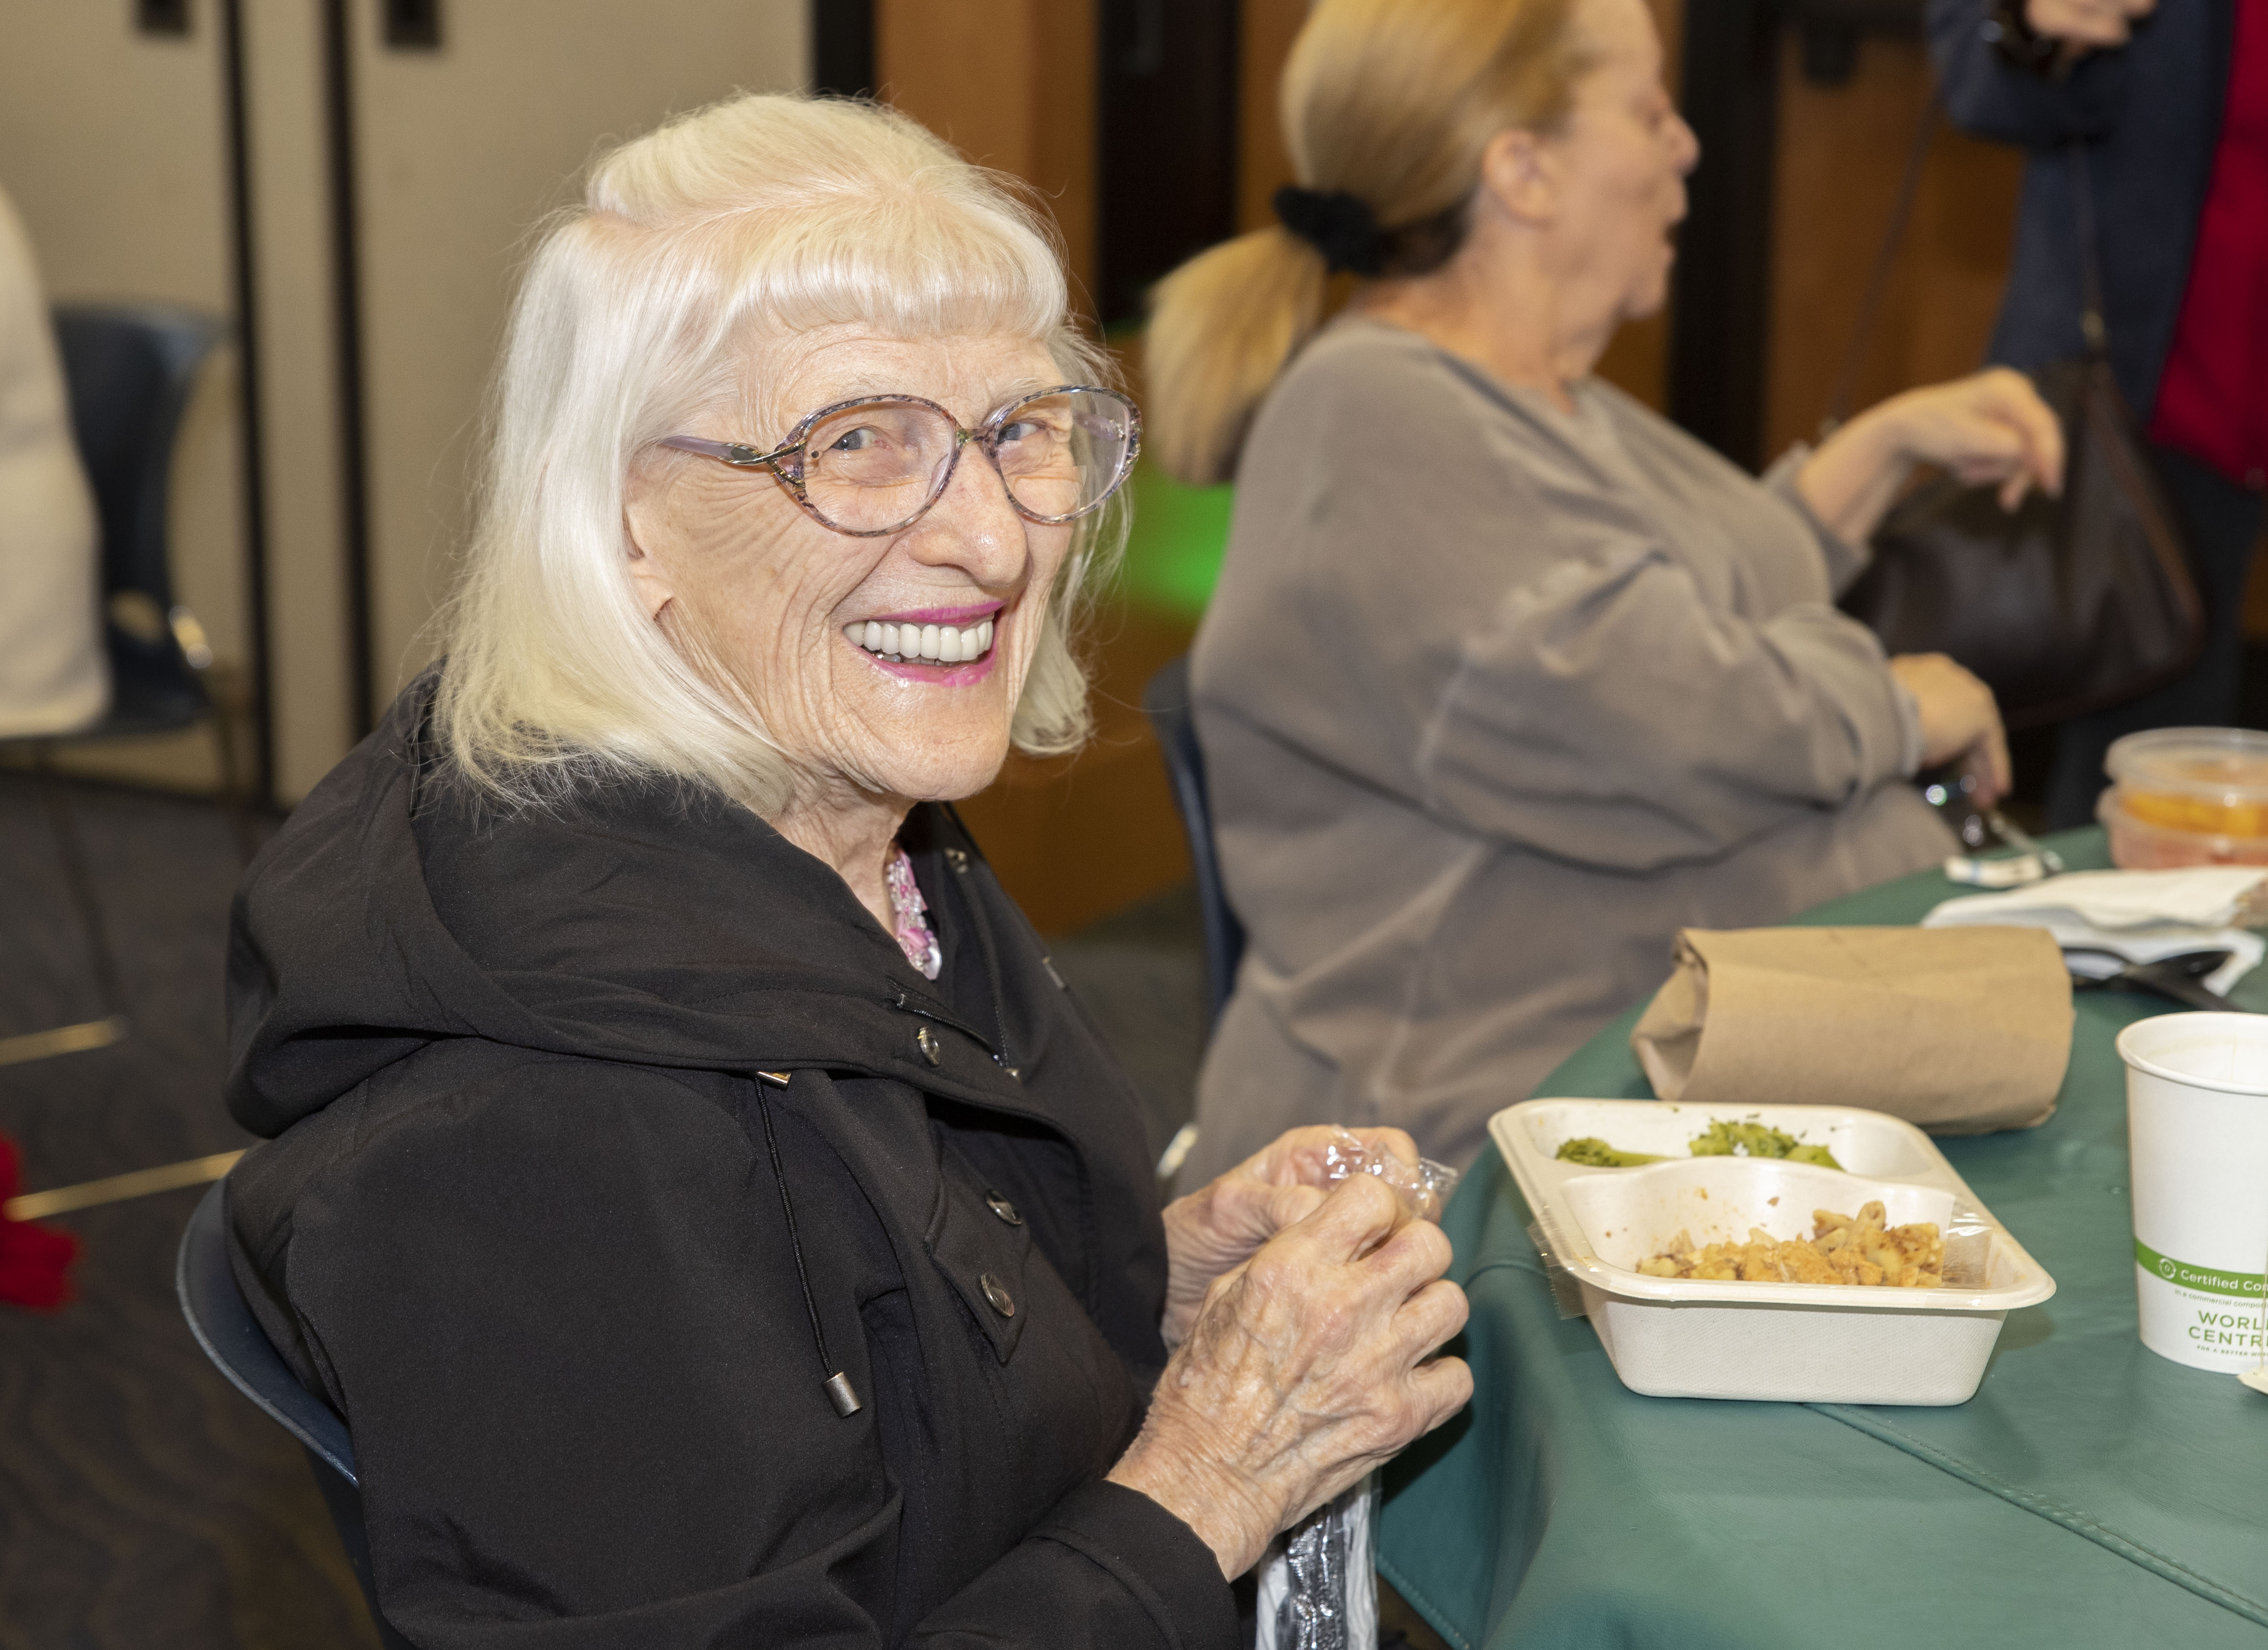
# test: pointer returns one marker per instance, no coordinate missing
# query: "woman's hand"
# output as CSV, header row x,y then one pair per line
x,y
1990,427
2084,24
1221,1224
1959,718
1306,1367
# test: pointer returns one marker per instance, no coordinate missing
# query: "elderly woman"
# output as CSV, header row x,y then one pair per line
x,y
688,1175
1506,678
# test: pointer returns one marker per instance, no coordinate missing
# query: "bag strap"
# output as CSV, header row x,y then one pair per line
x,y
1878,282
2091,326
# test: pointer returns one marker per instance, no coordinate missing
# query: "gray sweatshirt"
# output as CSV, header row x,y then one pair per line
x,y
1494,700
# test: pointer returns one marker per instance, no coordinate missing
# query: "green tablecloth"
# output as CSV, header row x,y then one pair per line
x,y
2091,1493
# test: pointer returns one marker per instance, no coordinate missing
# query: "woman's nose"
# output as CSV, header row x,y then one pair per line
x,y
1684,147
973,525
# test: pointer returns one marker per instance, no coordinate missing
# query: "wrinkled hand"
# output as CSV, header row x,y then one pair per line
x,y
1221,1224
2087,22
1306,1367
1959,718
1990,427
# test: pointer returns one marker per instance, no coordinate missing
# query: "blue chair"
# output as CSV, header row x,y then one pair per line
x,y
1166,700
240,1349
129,371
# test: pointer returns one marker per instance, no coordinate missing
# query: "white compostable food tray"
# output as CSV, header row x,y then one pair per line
x,y
1802,1342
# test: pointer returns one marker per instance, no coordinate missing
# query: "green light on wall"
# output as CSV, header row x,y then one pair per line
x,y
1180,533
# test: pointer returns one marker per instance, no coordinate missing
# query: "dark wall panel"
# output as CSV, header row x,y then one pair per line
x,y
1167,114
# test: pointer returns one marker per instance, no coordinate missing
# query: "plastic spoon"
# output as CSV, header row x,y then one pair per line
x,y
2180,977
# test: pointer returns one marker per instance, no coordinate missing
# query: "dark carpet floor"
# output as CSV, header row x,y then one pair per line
x,y
143,1503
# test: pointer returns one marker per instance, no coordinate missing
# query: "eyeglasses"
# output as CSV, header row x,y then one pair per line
x,y
875,465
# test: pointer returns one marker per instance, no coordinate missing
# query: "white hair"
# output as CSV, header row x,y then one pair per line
x,y
754,219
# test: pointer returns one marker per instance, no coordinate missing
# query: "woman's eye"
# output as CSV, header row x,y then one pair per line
x,y
1022,429
858,440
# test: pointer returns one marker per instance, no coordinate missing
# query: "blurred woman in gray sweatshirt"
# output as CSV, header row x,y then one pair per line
x,y
1507,678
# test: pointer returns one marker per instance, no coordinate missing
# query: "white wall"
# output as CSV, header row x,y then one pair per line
x,y
462,151
110,142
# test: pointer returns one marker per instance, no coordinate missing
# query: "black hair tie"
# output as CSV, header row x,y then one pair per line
x,y
1338,224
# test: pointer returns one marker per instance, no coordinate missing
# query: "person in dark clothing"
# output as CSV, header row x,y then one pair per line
x,y
684,1169
2169,106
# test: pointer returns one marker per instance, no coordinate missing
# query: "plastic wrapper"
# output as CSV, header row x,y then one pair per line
x,y
1319,1582
1423,1190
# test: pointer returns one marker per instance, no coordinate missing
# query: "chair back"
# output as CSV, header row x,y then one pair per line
x,y
1166,700
225,1327
129,370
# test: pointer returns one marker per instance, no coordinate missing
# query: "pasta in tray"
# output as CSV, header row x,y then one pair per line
x,y
1841,1249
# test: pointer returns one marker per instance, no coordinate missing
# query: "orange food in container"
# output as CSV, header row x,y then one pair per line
x,y
2187,796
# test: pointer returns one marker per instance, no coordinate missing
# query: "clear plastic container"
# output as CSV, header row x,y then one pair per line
x,y
2138,845
2184,796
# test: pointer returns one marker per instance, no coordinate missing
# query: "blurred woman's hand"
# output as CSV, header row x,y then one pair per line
x,y
1221,1224
2087,22
1306,1367
1959,718
1990,427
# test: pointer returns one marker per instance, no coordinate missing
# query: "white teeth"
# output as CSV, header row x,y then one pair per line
x,y
944,644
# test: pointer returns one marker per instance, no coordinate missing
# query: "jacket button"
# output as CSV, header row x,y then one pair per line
x,y
927,1040
1002,1207
957,859
997,1292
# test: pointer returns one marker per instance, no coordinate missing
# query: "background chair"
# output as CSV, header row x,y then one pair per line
x,y
1166,700
239,1348
129,371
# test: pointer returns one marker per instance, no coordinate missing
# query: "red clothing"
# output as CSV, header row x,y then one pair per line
x,y
34,1260
2213,402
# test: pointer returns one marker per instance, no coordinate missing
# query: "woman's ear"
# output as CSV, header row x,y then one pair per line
x,y
641,528
1520,174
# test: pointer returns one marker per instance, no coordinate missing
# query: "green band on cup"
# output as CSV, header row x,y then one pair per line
x,y
2198,1278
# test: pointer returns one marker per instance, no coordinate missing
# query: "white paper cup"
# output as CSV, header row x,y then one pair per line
x,y
2196,1124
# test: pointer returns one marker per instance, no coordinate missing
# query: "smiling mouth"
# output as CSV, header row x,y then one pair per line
x,y
922,643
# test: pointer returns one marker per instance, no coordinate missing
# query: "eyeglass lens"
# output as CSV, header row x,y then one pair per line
x,y
872,467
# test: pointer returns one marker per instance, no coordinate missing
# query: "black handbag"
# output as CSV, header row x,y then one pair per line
x,y
2066,605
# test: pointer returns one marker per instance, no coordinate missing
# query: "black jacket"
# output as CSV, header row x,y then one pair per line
x,y
2149,115
519,1219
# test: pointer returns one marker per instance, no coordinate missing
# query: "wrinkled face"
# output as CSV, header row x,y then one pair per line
x,y
1623,157
752,590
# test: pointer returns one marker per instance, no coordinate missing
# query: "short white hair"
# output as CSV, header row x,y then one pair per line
x,y
757,217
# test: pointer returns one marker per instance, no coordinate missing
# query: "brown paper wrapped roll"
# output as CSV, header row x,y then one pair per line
x,y
1962,1030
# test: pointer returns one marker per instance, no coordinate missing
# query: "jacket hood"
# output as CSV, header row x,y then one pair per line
x,y
647,924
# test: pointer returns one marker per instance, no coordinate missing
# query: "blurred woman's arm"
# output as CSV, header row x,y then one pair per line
x,y
1992,427
1610,715
1988,96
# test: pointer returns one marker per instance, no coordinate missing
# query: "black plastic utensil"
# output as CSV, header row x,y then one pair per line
x,y
2179,977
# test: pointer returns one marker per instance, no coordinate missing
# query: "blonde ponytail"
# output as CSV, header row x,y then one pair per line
x,y
1222,327
1391,102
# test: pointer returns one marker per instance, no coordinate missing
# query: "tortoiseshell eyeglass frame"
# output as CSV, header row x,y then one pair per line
x,y
785,462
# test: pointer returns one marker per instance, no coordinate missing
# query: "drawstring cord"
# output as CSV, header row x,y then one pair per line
x,y
840,1392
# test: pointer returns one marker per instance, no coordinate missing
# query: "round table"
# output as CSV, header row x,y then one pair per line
x,y
2091,1492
